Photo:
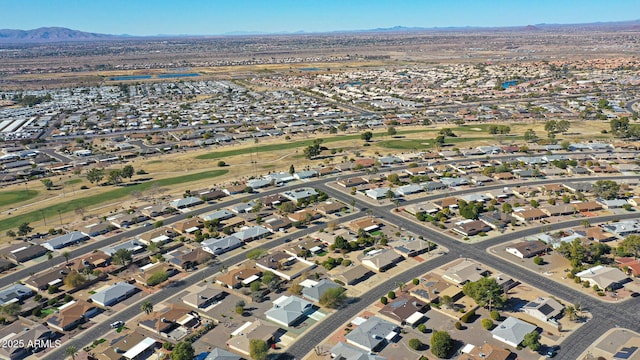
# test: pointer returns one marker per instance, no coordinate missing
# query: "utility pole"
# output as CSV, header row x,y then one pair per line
x,y
43,218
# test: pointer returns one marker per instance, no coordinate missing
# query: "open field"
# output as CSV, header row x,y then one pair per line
x,y
93,200
10,198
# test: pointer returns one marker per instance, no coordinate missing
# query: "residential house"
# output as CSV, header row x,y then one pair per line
x,y
188,226
378,193
587,206
623,228
430,289
529,215
612,204
219,215
220,354
342,351
98,229
235,278
433,185
465,271
124,221
604,277
153,211
411,247
187,202
25,332
220,246
330,207
527,249
595,233
381,260
22,253
157,236
629,265
65,240
504,176
512,331
71,314
351,182
51,277
248,234
147,272
14,294
355,274
299,194
484,352
450,202
315,291
163,322
204,297
289,310
372,334
302,216
368,224
114,294
404,310
558,210
132,346
234,189
240,338
471,228
409,189
543,309
133,246
187,258
497,220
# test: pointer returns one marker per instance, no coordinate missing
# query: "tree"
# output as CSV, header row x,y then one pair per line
x,y
24,229
71,351
487,324
485,292
441,344
507,208
146,307
115,176
631,245
551,128
255,286
11,233
127,172
295,288
562,126
47,183
258,349
74,279
530,136
538,260
366,136
183,351
391,131
532,340
95,175
12,309
122,257
446,301
292,169
268,276
66,256
221,163
415,344
333,298
439,140
607,189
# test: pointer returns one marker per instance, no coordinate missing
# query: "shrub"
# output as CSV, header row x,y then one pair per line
x,y
495,315
422,328
487,324
391,295
458,325
167,346
468,317
538,260
384,300
416,281
415,344
157,278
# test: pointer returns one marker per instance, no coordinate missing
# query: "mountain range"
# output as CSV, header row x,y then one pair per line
x,y
61,34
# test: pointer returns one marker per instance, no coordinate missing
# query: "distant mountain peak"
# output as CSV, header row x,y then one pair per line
x,y
49,34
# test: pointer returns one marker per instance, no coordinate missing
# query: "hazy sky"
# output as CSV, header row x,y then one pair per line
x,y
209,17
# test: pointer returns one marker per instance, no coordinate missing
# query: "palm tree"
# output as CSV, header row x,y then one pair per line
x,y
50,257
147,307
66,256
71,351
570,313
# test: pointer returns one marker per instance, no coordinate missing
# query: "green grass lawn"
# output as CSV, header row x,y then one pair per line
x,y
298,144
93,200
74,181
16,196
